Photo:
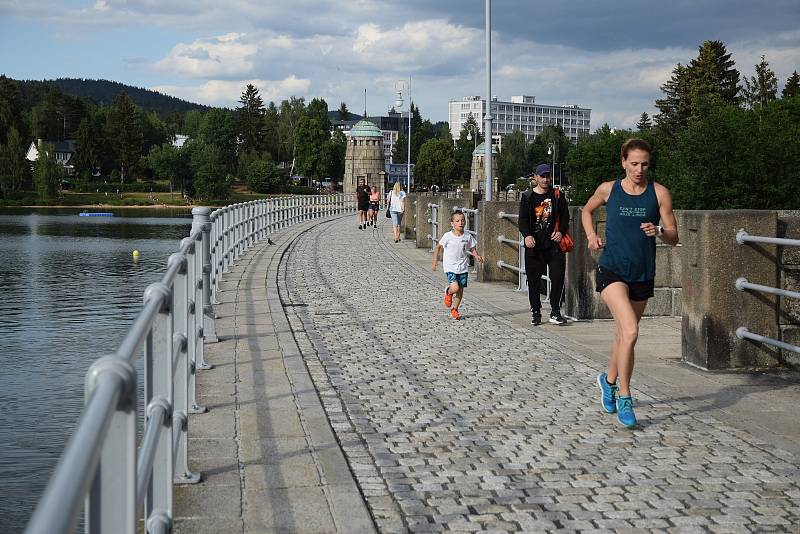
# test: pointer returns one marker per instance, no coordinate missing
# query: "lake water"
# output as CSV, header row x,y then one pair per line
x,y
70,290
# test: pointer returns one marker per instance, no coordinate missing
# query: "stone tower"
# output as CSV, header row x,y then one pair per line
x,y
477,176
364,157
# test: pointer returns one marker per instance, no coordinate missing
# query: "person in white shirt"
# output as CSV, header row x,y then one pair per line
x,y
397,206
457,246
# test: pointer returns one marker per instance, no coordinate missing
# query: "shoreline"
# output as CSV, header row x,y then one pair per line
x,y
109,206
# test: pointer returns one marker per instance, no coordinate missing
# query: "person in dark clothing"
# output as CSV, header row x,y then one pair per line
x,y
539,209
362,203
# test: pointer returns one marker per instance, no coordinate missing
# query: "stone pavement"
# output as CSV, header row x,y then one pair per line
x,y
485,424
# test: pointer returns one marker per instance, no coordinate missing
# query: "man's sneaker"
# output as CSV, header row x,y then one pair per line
x,y
536,318
625,414
608,393
556,318
454,314
448,298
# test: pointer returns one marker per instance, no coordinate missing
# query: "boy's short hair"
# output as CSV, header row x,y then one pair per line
x,y
457,212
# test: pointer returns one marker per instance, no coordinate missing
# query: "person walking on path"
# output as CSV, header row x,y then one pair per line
x,y
627,267
362,203
543,220
397,206
374,206
458,246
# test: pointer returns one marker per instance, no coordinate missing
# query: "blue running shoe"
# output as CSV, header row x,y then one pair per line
x,y
625,414
608,393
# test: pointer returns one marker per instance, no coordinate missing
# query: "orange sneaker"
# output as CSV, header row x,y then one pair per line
x,y
454,314
448,298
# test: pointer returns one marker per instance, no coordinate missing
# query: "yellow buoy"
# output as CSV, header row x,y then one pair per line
x,y
135,253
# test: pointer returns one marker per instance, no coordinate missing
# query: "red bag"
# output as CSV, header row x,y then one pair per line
x,y
567,244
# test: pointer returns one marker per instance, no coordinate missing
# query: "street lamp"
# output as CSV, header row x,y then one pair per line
x,y
552,148
399,86
470,130
488,117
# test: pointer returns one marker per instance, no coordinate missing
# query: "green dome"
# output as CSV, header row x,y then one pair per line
x,y
480,150
365,128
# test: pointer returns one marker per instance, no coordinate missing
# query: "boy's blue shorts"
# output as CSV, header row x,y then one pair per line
x,y
461,278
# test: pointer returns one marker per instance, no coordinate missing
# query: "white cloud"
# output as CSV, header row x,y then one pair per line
x,y
226,93
226,55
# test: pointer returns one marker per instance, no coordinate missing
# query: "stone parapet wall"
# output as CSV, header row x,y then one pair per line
x,y
789,279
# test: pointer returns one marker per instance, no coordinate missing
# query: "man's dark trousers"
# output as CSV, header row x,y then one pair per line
x,y
536,261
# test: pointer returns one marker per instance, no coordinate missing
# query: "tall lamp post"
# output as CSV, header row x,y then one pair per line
x,y
399,86
488,117
552,148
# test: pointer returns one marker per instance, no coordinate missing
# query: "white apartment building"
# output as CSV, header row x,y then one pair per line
x,y
521,113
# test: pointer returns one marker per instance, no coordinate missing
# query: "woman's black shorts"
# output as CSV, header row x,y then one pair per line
x,y
373,206
636,290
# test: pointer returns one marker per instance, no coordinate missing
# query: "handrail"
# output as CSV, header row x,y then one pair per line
x,y
743,237
741,284
100,465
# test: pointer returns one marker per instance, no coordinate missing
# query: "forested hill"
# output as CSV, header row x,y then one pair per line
x,y
103,92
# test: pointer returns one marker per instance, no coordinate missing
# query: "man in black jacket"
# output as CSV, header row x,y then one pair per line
x,y
540,208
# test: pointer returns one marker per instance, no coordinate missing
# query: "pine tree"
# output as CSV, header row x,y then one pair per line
x,y
761,88
14,167
792,87
713,73
250,120
644,123
125,128
344,113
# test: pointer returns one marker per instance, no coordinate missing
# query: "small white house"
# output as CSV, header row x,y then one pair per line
x,y
64,152
179,140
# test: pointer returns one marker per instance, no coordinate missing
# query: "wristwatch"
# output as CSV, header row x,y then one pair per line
x,y
660,230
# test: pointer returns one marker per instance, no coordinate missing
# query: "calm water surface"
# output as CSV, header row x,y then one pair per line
x,y
70,290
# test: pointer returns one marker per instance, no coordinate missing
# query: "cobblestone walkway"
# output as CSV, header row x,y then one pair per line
x,y
479,425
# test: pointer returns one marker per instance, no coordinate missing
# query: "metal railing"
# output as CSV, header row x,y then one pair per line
x,y
101,467
434,222
742,284
522,278
470,228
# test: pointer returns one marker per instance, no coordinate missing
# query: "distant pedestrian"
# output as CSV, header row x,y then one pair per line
x,y
397,206
374,206
362,203
458,246
543,220
626,269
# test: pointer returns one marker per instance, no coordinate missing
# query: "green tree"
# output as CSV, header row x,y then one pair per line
x,y
14,168
421,131
191,123
262,176
444,133
436,164
171,163
89,146
154,131
344,113
211,182
10,114
218,128
761,88
336,159
272,144
711,75
47,174
792,87
250,119
551,138
125,131
291,112
312,140
644,123
513,162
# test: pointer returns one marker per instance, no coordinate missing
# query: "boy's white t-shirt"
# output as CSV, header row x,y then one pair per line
x,y
396,201
455,258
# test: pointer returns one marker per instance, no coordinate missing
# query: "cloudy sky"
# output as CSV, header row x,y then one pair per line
x,y
610,56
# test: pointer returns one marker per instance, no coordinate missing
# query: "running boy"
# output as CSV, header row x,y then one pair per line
x,y
457,246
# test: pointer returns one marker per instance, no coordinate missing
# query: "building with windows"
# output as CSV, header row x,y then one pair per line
x,y
521,113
